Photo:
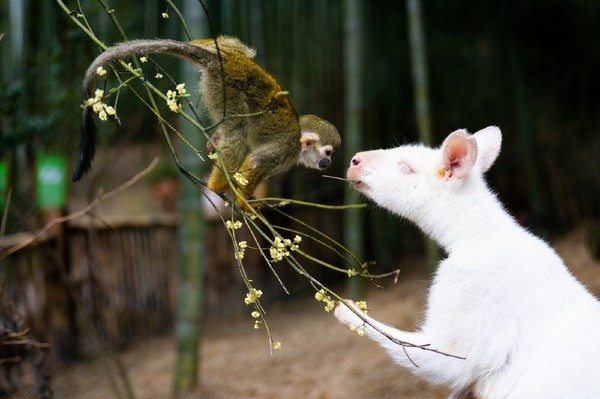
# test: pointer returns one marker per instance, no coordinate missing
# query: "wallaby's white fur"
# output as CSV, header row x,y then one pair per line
x,y
502,298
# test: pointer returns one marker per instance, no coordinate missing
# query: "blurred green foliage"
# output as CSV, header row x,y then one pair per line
x,y
530,68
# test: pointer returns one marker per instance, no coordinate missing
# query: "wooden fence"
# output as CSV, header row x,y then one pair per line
x,y
115,281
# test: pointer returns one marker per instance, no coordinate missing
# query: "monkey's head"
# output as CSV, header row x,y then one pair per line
x,y
319,140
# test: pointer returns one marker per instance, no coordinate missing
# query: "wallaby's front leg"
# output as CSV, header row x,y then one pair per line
x,y
406,348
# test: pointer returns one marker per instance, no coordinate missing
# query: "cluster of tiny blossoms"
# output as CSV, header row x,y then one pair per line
x,y
257,323
322,296
173,97
242,245
279,250
360,330
240,179
98,106
233,225
252,295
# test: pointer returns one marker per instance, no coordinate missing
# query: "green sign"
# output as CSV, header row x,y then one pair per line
x,y
3,183
51,181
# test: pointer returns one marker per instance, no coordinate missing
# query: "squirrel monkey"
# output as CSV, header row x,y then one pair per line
x,y
271,141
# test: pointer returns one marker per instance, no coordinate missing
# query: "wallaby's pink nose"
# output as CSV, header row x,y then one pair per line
x,y
355,160
353,173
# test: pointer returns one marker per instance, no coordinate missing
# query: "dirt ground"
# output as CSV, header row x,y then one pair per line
x,y
319,358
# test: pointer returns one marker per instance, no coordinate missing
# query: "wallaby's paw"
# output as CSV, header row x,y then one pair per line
x,y
347,316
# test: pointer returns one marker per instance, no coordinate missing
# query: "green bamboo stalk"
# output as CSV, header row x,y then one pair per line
x,y
192,251
353,230
421,95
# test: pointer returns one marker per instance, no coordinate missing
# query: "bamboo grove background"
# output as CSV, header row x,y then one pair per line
x,y
530,68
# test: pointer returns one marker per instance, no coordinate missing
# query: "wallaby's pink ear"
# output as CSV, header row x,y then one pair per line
x,y
459,154
489,141
308,139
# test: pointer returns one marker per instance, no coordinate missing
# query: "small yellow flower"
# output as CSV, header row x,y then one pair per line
x,y
276,345
174,106
360,330
102,115
329,305
240,179
100,71
158,75
110,110
165,15
98,94
97,106
362,305
233,225
255,314
257,324
351,272
214,156
180,88
143,59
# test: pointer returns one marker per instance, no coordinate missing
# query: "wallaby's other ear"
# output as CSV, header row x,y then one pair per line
x,y
459,154
488,144
308,139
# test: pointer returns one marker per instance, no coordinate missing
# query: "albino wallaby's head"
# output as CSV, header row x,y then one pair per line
x,y
412,180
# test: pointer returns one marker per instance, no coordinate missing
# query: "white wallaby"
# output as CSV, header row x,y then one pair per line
x,y
502,298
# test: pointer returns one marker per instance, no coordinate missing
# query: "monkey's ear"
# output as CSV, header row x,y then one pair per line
x,y
308,139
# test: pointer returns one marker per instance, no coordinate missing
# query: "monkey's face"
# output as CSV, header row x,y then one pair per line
x,y
325,153
314,154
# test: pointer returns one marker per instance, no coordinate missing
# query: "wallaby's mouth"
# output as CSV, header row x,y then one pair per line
x,y
357,184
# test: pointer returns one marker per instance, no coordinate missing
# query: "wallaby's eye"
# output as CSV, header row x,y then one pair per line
x,y
405,169
328,152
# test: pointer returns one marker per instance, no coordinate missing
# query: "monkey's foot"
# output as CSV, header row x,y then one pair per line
x,y
217,182
246,206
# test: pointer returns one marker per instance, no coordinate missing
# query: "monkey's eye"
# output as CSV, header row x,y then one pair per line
x,y
405,169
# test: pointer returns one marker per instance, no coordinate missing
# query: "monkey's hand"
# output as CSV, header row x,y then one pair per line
x,y
214,139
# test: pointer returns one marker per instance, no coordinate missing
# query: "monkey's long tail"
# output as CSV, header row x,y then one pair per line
x,y
197,54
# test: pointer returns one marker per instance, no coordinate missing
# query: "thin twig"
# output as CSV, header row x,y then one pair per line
x,y
340,178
